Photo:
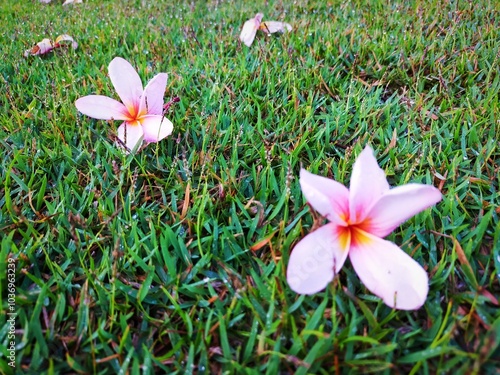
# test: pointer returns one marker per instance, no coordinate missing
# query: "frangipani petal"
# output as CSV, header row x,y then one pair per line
x,y
46,45
328,197
102,108
398,205
250,28
271,27
156,128
66,38
316,259
152,98
127,83
131,135
368,184
41,48
388,272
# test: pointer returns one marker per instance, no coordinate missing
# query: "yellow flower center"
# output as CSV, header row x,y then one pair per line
x,y
134,116
353,234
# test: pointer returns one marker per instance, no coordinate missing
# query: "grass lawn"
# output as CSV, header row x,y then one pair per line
x,y
173,259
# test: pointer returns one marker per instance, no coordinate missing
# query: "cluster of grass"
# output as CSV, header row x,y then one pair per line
x,y
173,260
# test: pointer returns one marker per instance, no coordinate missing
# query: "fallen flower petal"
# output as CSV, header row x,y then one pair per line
x,y
41,48
131,135
156,128
316,259
329,197
271,27
387,214
65,38
251,26
389,272
359,217
368,184
46,45
152,99
102,108
72,2
141,110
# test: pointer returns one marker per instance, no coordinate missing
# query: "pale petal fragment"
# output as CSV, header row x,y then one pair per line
x,y
41,48
127,83
328,197
72,2
368,183
152,98
156,128
131,135
102,108
388,272
316,259
271,27
250,28
66,38
398,205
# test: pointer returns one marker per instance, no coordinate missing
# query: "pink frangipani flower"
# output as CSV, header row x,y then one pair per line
x,y
358,219
141,110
